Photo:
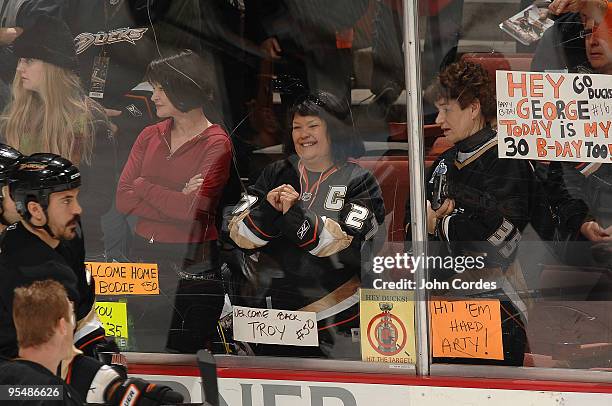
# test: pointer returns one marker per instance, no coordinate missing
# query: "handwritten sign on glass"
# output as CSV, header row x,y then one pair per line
x,y
117,278
554,116
271,326
113,316
466,329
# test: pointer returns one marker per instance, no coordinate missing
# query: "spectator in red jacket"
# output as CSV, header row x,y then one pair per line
x,y
173,182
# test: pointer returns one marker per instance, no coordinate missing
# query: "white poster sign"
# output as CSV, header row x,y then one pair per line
x,y
271,326
554,116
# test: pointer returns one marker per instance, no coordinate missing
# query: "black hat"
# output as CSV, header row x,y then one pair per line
x,y
50,41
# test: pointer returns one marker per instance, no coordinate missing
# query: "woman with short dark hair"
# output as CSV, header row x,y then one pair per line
x,y
173,182
465,82
339,121
312,218
184,80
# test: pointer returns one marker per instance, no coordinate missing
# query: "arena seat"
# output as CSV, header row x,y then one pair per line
x,y
398,132
392,174
493,62
439,146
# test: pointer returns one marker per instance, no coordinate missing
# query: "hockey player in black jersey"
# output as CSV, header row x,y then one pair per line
x,y
478,204
311,219
45,190
47,243
44,320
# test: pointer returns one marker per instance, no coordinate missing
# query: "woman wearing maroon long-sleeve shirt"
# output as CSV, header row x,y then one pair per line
x,y
173,182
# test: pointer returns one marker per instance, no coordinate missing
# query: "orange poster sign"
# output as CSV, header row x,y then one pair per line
x,y
118,278
466,329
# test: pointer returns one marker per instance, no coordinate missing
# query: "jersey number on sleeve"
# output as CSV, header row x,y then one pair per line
x,y
356,216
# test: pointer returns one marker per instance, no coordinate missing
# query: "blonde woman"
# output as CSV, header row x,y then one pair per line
x,y
49,112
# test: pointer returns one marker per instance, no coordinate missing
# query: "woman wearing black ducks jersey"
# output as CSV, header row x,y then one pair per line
x,y
311,218
486,204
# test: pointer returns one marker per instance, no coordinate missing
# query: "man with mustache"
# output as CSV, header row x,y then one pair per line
x,y
48,239
46,242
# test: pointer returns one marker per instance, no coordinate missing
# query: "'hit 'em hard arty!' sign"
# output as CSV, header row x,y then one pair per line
x,y
466,329
554,116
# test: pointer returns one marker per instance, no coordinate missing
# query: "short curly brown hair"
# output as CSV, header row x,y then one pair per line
x,y
464,81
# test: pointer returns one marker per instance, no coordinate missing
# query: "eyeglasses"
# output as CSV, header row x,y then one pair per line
x,y
601,34
287,84
586,33
310,98
313,99
339,112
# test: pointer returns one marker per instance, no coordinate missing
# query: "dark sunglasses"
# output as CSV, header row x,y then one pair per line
x,y
288,85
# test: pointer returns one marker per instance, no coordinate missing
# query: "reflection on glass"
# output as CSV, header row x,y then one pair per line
x,y
578,288
555,200
303,237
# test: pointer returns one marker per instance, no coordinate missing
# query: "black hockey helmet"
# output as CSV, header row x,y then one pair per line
x,y
38,176
9,161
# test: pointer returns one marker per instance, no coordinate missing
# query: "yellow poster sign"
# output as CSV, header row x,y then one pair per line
x,y
466,329
118,278
113,316
387,326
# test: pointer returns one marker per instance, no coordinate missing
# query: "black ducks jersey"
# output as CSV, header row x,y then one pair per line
x,y
321,244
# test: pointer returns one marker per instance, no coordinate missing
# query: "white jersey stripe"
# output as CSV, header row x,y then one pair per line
x,y
245,232
332,239
87,325
325,239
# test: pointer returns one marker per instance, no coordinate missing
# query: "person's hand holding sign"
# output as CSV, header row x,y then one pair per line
x,y
578,6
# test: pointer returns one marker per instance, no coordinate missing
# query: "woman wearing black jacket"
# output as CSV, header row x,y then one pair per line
x,y
478,204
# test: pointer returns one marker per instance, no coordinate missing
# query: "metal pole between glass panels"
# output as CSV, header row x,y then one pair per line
x,y
412,63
